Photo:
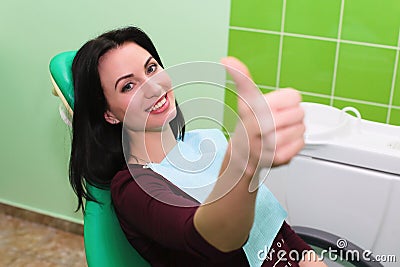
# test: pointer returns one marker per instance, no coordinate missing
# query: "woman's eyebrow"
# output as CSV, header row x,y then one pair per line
x,y
130,74
147,61
121,78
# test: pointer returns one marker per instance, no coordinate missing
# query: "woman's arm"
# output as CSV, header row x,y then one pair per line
x,y
266,134
155,213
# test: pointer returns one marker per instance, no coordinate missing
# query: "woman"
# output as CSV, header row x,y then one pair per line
x,y
120,73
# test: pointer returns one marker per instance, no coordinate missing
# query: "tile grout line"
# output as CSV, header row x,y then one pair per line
x,y
349,100
390,47
375,104
311,37
315,37
316,94
362,102
328,96
258,85
396,63
278,72
238,28
267,87
337,54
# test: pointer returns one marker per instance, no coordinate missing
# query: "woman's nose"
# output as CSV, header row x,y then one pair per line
x,y
152,88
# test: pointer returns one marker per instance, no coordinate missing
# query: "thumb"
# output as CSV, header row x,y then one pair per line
x,y
252,105
241,76
250,98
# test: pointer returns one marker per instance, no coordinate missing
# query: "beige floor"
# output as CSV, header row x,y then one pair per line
x,y
24,243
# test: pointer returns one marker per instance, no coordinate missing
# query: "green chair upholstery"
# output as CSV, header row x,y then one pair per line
x,y
105,242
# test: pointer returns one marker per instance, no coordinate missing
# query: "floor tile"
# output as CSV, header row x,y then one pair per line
x,y
28,244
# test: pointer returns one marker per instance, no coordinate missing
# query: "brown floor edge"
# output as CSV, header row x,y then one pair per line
x,y
35,217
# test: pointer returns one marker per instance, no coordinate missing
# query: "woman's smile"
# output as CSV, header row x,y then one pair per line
x,y
160,106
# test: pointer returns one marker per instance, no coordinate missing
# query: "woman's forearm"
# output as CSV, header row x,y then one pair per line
x,y
227,216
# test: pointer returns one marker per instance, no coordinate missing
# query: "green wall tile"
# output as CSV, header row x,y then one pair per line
x,y
396,93
310,17
368,112
371,21
316,99
258,14
395,117
365,73
307,65
259,51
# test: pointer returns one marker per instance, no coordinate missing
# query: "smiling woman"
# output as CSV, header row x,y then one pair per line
x,y
97,127
123,92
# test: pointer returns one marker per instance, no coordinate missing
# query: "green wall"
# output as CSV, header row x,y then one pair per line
x,y
336,52
35,142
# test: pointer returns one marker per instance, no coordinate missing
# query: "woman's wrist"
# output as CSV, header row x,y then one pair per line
x,y
237,162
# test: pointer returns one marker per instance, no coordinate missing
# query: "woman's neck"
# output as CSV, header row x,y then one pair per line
x,y
151,146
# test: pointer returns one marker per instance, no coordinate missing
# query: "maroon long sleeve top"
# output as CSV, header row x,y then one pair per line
x,y
165,235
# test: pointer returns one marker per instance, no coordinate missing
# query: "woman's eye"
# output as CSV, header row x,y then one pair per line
x,y
127,87
152,68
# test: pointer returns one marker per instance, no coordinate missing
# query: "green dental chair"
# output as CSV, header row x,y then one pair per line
x,y
105,242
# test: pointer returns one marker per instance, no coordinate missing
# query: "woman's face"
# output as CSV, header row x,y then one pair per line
x,y
136,89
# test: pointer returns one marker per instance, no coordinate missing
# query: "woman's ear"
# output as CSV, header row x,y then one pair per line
x,y
110,117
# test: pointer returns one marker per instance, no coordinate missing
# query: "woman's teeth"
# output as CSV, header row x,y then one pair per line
x,y
159,104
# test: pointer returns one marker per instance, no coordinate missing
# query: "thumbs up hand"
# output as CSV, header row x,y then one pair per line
x,y
270,127
269,132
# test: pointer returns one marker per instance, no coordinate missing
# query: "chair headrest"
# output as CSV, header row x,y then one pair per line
x,y
61,74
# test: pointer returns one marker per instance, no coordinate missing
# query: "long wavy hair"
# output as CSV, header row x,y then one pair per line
x,y
97,152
